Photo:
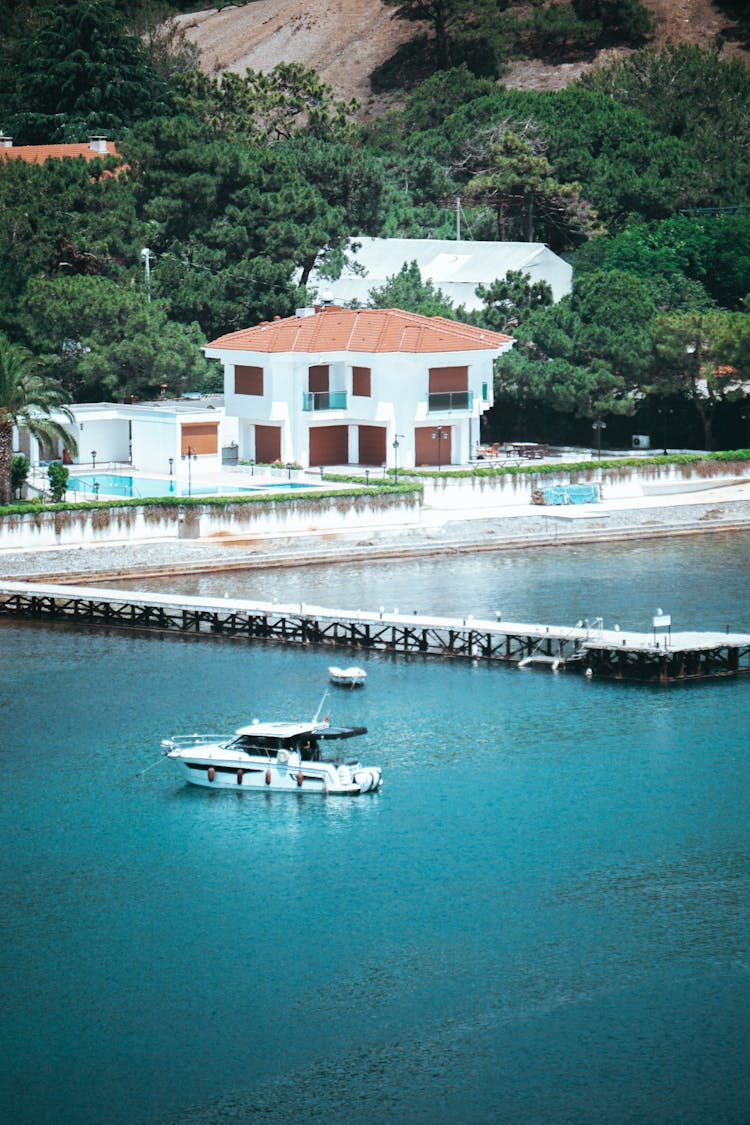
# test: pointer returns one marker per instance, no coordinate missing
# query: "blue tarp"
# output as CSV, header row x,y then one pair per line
x,y
571,494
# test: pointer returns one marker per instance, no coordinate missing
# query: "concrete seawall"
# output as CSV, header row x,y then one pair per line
x,y
446,533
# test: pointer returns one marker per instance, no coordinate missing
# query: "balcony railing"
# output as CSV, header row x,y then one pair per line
x,y
324,400
450,400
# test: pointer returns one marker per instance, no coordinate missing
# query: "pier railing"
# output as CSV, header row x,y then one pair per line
x,y
609,653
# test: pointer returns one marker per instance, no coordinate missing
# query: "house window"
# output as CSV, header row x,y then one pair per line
x,y
485,389
446,379
248,380
361,382
449,389
200,437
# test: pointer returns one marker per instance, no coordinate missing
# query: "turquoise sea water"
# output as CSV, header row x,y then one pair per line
x,y
542,917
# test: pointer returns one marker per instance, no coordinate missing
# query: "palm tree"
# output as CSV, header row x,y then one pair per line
x,y
27,399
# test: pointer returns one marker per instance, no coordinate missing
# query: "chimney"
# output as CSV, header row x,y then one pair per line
x,y
98,144
5,142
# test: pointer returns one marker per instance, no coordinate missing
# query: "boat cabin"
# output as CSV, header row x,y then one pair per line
x,y
275,746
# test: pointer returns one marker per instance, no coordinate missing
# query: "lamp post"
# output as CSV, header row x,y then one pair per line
x,y
395,457
745,416
146,255
190,454
93,458
598,426
664,414
438,436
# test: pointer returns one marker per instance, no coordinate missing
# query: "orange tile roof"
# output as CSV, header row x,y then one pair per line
x,y
333,329
37,154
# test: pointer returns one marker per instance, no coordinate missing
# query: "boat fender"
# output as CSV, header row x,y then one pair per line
x,y
300,778
211,773
240,775
268,777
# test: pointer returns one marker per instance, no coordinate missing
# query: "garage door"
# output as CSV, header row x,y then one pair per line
x,y
267,444
329,445
429,450
371,445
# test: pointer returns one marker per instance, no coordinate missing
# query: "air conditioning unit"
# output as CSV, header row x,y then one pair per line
x,y
641,441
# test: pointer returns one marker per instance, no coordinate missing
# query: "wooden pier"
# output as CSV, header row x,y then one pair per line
x,y
613,654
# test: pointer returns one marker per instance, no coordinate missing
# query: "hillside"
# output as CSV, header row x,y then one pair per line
x,y
345,40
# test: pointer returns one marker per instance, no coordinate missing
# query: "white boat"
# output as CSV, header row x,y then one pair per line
x,y
274,757
348,677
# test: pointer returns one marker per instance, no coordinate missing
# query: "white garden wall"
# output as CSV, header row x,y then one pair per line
x,y
628,482
193,521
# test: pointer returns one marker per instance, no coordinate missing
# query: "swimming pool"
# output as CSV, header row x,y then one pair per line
x,y
115,484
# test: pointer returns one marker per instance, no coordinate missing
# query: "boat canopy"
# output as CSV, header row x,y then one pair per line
x,y
337,732
281,732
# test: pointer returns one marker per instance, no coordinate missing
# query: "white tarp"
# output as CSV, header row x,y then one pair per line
x,y
455,267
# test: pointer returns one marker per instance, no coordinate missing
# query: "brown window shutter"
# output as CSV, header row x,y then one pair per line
x,y
317,378
361,383
448,379
201,437
248,380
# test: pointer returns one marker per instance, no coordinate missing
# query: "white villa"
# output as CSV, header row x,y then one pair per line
x,y
372,387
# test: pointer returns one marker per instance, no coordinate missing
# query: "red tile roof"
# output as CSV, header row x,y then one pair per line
x,y
37,154
333,329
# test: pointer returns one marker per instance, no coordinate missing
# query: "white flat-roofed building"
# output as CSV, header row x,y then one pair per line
x,y
151,437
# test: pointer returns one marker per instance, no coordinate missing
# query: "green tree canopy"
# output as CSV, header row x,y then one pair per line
x,y
703,357
516,176
406,290
262,107
65,217
101,341
510,302
589,354
710,253
695,95
77,71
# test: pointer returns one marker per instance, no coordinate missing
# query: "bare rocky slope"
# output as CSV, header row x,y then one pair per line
x,y
345,40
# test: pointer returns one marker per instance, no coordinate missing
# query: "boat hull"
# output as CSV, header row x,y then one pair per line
x,y
347,677
321,778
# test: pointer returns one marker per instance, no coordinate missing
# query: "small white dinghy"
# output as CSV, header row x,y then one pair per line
x,y
348,677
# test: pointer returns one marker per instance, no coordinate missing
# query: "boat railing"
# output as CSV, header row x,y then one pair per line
x,y
185,741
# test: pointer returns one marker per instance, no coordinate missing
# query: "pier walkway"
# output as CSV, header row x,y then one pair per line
x,y
609,653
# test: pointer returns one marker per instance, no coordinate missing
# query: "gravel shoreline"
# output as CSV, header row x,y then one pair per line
x,y
534,527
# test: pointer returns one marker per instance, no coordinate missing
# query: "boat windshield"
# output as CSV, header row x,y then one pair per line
x,y
305,745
